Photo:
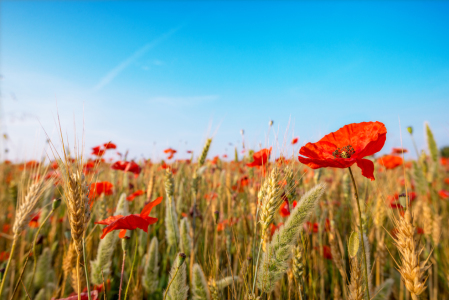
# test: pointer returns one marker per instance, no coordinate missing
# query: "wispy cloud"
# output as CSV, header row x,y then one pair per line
x,y
124,64
184,101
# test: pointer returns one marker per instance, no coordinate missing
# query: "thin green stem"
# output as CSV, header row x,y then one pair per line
x,y
257,266
34,248
32,251
86,271
13,247
121,276
361,232
169,284
132,268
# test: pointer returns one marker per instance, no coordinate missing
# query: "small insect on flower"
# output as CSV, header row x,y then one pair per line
x,y
345,147
390,161
130,222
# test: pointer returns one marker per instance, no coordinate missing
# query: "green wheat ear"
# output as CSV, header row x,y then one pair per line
x,y
274,261
178,289
122,206
43,269
186,240
150,279
200,289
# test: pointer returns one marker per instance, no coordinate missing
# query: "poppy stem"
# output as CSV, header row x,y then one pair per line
x,y
356,193
85,270
121,275
132,268
13,247
168,287
257,266
32,252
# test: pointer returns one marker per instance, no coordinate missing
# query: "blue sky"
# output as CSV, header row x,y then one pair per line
x,y
150,75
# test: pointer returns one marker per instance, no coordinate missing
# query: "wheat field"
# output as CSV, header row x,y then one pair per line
x,y
256,226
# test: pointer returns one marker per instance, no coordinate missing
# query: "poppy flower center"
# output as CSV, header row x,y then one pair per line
x,y
344,152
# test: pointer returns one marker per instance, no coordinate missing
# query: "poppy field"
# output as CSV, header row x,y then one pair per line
x,y
334,220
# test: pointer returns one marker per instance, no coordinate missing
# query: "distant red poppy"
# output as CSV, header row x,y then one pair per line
x,y
240,185
446,180
189,151
295,140
395,203
110,145
127,166
273,228
134,195
34,222
130,222
215,160
444,161
84,296
225,156
345,147
260,158
98,151
282,160
419,230
4,256
6,228
398,151
327,253
226,223
443,194
171,152
285,209
98,188
390,161
29,165
54,165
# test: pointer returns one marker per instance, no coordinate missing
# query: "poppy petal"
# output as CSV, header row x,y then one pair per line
x,y
122,233
109,220
316,163
147,208
130,222
367,168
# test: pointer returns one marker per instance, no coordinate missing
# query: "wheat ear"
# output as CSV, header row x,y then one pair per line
x,y
279,250
411,268
200,289
150,279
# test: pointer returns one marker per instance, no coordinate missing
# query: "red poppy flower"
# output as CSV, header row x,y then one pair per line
x,y
282,160
214,161
4,256
189,151
98,151
273,228
446,180
444,161
348,145
29,165
327,253
260,158
6,228
84,296
171,152
285,209
225,156
443,194
390,161
98,188
419,230
398,151
295,140
34,222
127,166
130,222
134,195
110,145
